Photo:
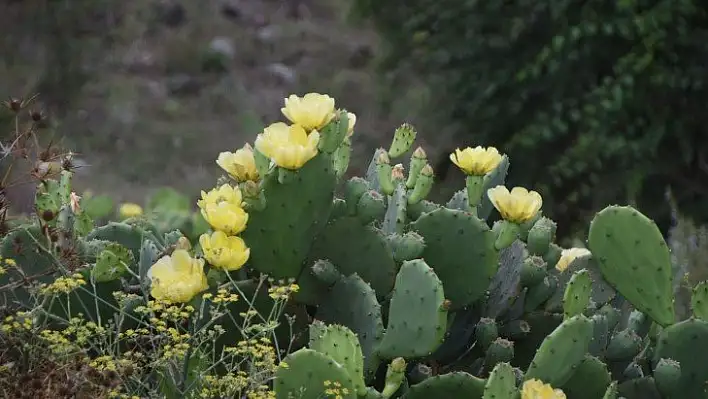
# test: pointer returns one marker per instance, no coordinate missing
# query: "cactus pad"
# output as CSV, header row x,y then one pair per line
x,y
21,246
600,291
460,248
129,236
451,385
309,374
417,316
589,381
627,244
505,284
342,345
684,342
501,383
699,300
577,294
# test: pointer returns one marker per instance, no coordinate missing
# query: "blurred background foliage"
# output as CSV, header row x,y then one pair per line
x,y
595,101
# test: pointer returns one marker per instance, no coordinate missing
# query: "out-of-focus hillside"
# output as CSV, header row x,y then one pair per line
x,y
149,92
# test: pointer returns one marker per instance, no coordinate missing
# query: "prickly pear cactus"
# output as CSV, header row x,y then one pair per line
x,y
451,385
342,345
308,374
683,342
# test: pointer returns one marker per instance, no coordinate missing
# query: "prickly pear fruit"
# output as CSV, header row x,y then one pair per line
x,y
486,332
354,188
699,300
342,346
627,244
684,342
553,255
562,351
407,246
395,375
533,271
423,185
403,139
667,374
624,345
450,385
501,383
417,313
540,236
383,173
577,294
326,272
308,374
501,350
371,207
418,160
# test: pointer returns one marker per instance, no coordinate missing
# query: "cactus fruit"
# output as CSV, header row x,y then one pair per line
x,y
395,375
667,374
553,255
417,316
354,188
503,289
533,271
623,345
577,294
326,272
684,342
699,300
627,244
589,381
371,207
562,351
540,236
486,332
423,185
460,248
407,246
369,255
403,139
342,346
501,383
451,385
308,374
353,303
501,350
294,213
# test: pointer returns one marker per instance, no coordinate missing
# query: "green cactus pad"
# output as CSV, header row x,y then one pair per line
x,y
406,246
699,300
577,294
112,263
553,255
353,189
371,207
124,234
667,375
686,342
515,329
21,246
460,248
504,287
623,345
639,323
355,248
372,173
589,381
562,351
308,374
542,324
540,236
459,201
352,303
600,335
403,139
493,179
342,345
627,244
641,388
600,291
486,332
395,217
280,235
415,211
451,385
501,350
533,271
501,383
538,294
417,316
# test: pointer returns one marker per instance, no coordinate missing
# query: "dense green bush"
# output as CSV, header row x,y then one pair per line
x,y
599,101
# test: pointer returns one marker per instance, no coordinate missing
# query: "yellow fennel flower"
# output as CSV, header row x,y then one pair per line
x,y
130,210
352,121
312,111
518,206
241,165
476,161
224,252
289,147
568,256
536,389
177,278
222,209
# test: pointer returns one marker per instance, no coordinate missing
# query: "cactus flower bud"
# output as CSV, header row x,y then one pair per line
x,y
384,170
418,161
394,377
397,173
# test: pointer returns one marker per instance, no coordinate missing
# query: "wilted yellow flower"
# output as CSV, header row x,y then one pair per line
x,y
568,256
177,278
517,206
289,147
75,202
476,161
222,209
130,210
312,111
536,389
241,165
224,252
352,121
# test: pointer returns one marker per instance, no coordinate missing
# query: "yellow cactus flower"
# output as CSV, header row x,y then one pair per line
x,y
518,206
312,111
223,209
476,161
130,210
289,147
177,278
352,121
241,165
536,389
568,256
224,252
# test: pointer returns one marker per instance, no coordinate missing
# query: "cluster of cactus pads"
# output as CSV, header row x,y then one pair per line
x,y
402,297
